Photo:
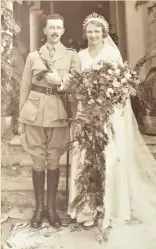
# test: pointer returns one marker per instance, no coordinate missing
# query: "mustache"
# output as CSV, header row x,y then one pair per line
x,y
54,35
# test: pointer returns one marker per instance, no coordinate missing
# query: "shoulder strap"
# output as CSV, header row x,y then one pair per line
x,y
44,62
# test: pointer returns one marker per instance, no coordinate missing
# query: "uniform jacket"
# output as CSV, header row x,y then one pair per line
x,y
40,109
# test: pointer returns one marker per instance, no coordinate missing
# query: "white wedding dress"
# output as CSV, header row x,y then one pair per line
x,y
130,177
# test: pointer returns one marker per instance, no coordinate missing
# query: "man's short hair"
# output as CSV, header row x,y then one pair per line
x,y
53,17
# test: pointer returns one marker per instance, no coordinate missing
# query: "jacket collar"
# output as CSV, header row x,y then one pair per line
x,y
60,50
49,46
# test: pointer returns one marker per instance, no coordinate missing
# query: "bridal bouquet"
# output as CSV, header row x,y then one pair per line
x,y
104,87
100,91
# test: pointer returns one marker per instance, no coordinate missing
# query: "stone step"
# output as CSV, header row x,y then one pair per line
x,y
149,140
26,171
25,160
14,154
5,124
16,183
25,199
19,178
12,149
24,183
15,141
152,149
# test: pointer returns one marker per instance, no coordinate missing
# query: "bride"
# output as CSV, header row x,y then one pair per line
x,y
129,199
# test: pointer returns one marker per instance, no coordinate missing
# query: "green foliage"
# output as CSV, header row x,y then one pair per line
x,y
12,62
100,91
9,30
6,42
145,94
151,8
148,102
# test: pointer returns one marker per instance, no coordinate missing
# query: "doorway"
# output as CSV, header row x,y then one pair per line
x,y
74,13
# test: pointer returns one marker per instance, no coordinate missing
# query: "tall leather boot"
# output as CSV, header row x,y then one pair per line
x,y
38,178
52,185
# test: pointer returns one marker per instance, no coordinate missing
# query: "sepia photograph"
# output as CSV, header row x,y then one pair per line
x,y
78,124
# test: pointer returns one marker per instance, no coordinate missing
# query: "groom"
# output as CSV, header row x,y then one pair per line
x,y
43,115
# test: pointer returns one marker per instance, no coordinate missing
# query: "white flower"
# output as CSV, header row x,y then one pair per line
x,y
123,80
125,90
114,65
99,209
102,75
110,71
127,76
133,93
137,82
117,71
95,82
97,66
89,92
91,101
134,72
99,101
108,77
101,135
116,83
85,81
108,95
109,92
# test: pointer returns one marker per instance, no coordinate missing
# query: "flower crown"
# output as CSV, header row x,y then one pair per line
x,y
98,18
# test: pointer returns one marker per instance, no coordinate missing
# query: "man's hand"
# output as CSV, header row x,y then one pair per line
x,y
53,79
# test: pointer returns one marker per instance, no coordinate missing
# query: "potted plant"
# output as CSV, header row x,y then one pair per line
x,y
147,105
147,89
147,97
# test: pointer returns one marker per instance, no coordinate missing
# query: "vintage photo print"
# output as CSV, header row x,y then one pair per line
x,y
78,124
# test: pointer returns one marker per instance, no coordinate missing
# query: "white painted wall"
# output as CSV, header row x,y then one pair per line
x,y
135,33
35,20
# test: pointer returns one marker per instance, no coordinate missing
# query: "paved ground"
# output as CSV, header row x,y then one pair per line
x,y
68,237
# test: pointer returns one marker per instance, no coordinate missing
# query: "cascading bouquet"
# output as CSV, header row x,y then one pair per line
x,y
100,90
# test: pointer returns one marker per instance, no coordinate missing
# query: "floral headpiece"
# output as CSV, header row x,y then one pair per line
x,y
98,18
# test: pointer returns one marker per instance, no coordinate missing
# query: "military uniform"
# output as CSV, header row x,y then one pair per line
x,y
44,116
46,133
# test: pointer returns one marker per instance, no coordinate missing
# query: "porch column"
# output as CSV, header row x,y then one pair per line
x,y
52,7
35,26
152,45
136,33
117,19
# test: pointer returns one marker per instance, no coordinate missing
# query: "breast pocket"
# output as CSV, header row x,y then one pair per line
x,y
30,108
63,71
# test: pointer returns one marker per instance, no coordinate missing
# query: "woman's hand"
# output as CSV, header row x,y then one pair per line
x,y
53,79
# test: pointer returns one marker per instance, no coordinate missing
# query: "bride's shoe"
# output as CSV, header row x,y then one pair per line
x,y
88,223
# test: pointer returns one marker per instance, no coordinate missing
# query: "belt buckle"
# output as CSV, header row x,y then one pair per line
x,y
49,90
